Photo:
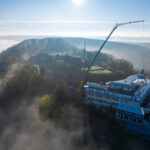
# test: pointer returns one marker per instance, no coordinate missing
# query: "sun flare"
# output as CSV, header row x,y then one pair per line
x,y
78,2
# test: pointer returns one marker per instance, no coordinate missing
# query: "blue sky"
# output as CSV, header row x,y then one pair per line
x,y
94,18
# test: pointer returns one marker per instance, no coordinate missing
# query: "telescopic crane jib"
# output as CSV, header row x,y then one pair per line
x,y
116,26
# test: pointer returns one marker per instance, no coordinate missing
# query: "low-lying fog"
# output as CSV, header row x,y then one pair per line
x,y
6,43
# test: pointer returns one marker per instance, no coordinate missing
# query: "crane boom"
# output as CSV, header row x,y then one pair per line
x,y
131,22
116,26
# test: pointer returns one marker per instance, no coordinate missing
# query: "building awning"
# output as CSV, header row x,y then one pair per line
x,y
131,109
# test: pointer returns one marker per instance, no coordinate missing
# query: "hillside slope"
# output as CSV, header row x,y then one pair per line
x,y
137,54
41,105
27,48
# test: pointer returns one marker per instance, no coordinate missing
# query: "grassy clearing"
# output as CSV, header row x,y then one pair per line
x,y
98,70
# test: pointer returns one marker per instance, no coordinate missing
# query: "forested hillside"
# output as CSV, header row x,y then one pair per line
x,y
41,103
136,53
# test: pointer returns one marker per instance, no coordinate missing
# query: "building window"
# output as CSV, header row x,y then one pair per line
x,y
140,121
127,117
134,119
121,117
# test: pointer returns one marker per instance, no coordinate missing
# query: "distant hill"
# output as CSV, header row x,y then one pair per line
x,y
30,48
49,45
145,44
61,57
137,54
50,59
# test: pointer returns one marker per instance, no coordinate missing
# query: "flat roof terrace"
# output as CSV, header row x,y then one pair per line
x,y
129,83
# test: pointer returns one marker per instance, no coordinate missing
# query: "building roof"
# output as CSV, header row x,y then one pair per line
x,y
126,85
95,85
131,109
129,82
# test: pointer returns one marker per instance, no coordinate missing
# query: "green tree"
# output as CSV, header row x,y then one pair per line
x,y
45,104
58,112
80,88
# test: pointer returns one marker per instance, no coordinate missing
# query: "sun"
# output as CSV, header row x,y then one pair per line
x,y
78,2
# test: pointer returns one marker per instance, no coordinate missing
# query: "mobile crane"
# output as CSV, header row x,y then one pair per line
x,y
116,26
